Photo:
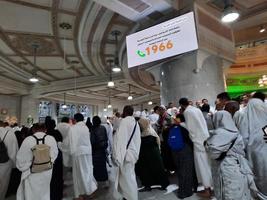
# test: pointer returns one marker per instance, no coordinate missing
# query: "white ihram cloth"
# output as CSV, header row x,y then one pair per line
x,y
5,168
198,132
116,123
109,129
233,179
238,117
34,185
125,182
64,128
251,128
81,156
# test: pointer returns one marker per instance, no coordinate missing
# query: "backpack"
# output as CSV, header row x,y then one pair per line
x,y
175,140
41,156
3,150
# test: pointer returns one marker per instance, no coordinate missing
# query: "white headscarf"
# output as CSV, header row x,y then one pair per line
x,y
223,119
251,128
223,136
254,119
226,138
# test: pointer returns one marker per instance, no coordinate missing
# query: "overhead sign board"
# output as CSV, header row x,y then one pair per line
x,y
170,38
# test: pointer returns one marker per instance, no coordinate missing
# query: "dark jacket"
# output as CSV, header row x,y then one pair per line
x,y
99,139
99,142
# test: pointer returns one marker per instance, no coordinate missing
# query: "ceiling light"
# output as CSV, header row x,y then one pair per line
x,y
116,69
33,79
111,84
64,106
109,102
262,29
150,102
130,98
105,109
230,14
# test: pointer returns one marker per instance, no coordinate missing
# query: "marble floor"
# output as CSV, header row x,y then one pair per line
x,y
155,194
107,193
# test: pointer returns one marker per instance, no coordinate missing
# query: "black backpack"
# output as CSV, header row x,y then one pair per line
x,y
3,150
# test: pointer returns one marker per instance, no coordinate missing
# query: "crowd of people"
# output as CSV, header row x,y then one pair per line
x,y
222,149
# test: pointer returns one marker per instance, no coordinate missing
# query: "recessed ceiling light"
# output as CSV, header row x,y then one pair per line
x,y
150,103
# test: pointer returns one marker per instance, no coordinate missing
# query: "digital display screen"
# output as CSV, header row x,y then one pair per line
x,y
170,38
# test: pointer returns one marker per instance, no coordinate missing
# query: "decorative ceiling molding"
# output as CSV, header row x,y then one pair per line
x,y
9,43
38,6
79,24
69,84
23,43
19,88
54,20
91,44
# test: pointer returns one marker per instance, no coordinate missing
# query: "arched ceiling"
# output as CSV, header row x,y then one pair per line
x,y
75,43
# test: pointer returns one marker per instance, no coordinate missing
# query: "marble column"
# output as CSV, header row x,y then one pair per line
x,y
195,75
29,110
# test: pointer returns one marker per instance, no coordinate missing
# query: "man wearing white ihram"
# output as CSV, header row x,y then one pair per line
x,y
126,147
35,185
198,132
10,141
81,157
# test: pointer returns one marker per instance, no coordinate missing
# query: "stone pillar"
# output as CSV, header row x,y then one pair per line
x,y
29,109
199,74
195,75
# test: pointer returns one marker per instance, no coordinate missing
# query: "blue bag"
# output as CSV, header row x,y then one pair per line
x,y
175,140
